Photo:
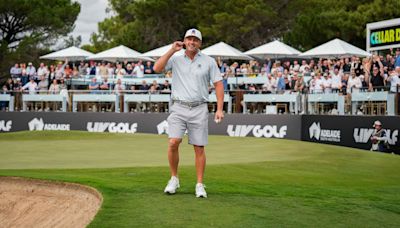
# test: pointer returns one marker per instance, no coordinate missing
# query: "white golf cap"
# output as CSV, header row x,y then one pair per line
x,y
193,32
377,122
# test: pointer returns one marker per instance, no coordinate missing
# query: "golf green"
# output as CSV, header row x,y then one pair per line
x,y
251,182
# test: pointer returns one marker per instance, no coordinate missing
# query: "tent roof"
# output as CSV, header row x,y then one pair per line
x,y
274,49
119,53
335,48
71,53
225,51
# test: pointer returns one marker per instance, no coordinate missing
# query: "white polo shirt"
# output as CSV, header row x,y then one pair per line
x,y
191,78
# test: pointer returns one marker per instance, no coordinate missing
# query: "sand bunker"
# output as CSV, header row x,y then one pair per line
x,y
35,203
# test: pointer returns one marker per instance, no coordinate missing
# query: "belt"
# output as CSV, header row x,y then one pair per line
x,y
189,104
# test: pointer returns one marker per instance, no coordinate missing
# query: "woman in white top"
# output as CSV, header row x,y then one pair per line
x,y
54,87
120,72
353,83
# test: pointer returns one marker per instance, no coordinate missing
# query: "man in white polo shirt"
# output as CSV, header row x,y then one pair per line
x,y
191,75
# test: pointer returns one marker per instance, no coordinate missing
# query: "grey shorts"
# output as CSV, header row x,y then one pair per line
x,y
194,120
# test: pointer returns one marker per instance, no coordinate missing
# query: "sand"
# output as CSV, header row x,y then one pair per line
x,y
37,203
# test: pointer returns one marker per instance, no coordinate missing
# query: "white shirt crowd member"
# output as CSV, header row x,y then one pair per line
x,y
353,84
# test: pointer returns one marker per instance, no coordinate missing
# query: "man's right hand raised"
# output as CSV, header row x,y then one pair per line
x,y
177,46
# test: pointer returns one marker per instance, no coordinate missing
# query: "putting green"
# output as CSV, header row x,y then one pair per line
x,y
45,149
251,182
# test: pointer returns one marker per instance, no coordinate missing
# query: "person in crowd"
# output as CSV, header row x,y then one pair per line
x,y
166,87
92,68
67,72
144,87
119,87
148,69
54,87
94,86
378,138
129,70
42,71
31,86
24,74
336,76
397,58
43,85
82,68
139,70
296,66
394,80
52,73
59,74
377,79
353,83
317,84
103,70
105,85
75,72
299,85
120,72
281,82
15,71
327,83
31,71
346,65
110,69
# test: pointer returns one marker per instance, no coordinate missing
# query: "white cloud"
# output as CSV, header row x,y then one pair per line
x,y
92,12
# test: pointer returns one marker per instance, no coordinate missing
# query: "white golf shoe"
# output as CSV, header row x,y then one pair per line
x,y
172,185
200,190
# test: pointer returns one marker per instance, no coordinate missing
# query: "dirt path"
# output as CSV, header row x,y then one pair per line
x,y
34,203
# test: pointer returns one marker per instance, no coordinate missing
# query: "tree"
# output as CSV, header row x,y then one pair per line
x,y
321,21
148,24
41,20
27,26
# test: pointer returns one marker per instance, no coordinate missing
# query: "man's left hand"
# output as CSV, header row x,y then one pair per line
x,y
219,115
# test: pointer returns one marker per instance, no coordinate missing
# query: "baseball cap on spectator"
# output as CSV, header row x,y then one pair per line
x,y
325,75
377,123
193,32
29,64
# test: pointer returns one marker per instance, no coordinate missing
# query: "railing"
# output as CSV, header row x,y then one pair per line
x,y
244,101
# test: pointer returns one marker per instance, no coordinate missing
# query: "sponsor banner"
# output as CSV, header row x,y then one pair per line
x,y
352,131
5,125
235,125
384,36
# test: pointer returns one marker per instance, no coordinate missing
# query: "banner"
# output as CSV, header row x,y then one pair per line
x,y
351,131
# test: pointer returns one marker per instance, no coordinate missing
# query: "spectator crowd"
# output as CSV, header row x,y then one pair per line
x,y
345,76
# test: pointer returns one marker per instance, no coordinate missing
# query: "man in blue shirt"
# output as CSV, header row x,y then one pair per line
x,y
397,61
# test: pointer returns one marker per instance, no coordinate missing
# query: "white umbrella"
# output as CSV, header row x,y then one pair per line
x,y
225,51
274,49
71,53
335,48
120,53
158,52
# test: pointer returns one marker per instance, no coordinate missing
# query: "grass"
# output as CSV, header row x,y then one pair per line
x,y
251,182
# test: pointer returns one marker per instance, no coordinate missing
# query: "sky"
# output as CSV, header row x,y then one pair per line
x,y
92,12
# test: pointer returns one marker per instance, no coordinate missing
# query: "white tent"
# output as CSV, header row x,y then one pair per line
x,y
335,48
120,53
274,49
225,51
71,53
158,52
